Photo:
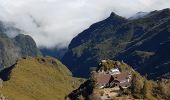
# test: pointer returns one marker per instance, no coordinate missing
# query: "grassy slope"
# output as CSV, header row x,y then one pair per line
x,y
36,79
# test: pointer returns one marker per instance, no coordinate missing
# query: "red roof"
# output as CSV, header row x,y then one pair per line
x,y
122,76
102,78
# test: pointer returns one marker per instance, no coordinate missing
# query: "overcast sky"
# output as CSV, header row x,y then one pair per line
x,y
56,22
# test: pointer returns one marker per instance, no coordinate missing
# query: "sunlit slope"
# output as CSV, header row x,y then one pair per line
x,y
39,79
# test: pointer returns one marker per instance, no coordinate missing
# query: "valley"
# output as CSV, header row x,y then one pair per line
x,y
117,58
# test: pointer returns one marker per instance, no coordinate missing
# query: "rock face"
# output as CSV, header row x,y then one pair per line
x,y
27,45
9,53
139,42
12,49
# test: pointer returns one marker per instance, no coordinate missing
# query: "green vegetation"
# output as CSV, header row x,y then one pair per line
x,y
150,90
142,43
109,64
162,89
39,79
141,88
84,91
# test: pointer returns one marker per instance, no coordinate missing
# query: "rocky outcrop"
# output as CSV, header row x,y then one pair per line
x,y
1,83
9,53
13,48
2,97
27,45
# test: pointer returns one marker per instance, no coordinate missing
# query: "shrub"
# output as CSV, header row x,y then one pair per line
x,y
125,92
147,90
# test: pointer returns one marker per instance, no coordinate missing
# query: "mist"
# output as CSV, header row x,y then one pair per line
x,y
55,22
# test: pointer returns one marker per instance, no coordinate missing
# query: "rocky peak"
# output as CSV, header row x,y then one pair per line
x,y
113,20
113,14
27,45
12,49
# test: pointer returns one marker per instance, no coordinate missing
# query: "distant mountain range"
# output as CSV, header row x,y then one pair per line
x,y
54,52
12,49
143,43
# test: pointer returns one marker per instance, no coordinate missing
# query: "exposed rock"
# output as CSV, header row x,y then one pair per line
x,y
13,49
1,83
2,97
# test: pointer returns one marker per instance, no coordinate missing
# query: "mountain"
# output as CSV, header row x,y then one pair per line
x,y
37,79
27,45
54,52
138,42
138,15
149,53
13,48
9,53
86,49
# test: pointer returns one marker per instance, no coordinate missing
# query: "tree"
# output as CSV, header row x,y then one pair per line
x,y
147,90
137,86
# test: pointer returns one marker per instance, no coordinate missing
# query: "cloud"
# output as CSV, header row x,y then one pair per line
x,y
55,22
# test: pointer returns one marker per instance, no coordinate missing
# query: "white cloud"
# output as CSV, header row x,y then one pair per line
x,y
58,21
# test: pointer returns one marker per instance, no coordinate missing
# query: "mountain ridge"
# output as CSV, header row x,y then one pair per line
x,y
110,41
12,49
